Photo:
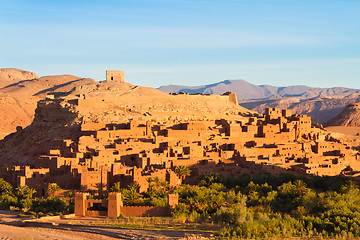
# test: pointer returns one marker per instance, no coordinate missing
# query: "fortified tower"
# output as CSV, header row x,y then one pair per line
x,y
115,76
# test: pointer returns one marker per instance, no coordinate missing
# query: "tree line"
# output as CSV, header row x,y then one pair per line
x,y
267,206
21,198
261,206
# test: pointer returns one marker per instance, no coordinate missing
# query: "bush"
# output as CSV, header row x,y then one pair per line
x,y
180,211
7,200
158,202
51,205
26,203
25,216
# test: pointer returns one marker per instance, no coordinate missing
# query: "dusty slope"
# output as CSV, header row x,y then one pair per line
x,y
349,117
13,75
106,102
18,99
127,100
40,86
349,132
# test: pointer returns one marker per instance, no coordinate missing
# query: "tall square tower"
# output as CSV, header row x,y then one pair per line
x,y
115,76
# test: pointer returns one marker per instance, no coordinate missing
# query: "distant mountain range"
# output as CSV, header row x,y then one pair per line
x,y
247,91
322,104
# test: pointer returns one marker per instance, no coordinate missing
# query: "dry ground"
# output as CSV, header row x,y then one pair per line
x,y
14,232
12,227
350,131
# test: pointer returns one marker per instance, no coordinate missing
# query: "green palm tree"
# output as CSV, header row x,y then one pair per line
x,y
31,192
299,187
53,188
157,182
5,186
132,195
116,187
348,186
150,189
24,192
21,191
150,180
70,195
164,184
182,172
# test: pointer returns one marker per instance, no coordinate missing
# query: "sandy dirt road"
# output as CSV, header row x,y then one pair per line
x,y
13,228
23,233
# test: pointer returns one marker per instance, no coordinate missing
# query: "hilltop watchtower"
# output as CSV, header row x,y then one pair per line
x,y
115,76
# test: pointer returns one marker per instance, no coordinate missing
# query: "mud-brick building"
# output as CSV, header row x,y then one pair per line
x,y
113,207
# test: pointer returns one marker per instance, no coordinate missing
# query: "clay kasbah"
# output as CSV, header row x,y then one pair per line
x,y
93,135
111,131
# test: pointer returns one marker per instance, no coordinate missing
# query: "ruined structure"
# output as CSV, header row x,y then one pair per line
x,y
113,131
115,76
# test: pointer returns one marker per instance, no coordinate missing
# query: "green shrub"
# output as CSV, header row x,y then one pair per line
x,y
51,205
7,200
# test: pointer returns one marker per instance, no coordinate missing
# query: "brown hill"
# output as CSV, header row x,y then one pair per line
x,y
123,100
13,75
349,117
107,102
321,109
321,104
41,86
22,91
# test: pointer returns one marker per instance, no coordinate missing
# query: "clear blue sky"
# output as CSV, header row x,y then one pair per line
x,y
160,42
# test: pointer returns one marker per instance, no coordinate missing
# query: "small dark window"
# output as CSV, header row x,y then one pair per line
x,y
112,78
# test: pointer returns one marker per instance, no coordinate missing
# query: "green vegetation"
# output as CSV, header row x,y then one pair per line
x,y
116,187
263,206
267,206
156,194
53,188
22,198
182,172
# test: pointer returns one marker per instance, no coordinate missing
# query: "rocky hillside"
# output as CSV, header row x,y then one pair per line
x,y
321,109
41,86
13,75
20,92
349,117
113,102
103,102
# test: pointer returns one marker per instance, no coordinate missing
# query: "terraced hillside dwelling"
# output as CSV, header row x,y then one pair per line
x,y
106,132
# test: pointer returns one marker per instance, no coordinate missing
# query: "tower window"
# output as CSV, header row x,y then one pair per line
x,y
112,78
